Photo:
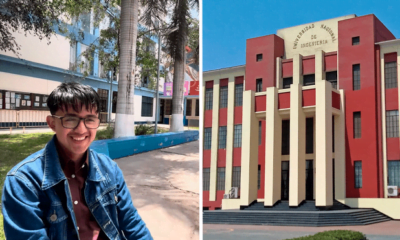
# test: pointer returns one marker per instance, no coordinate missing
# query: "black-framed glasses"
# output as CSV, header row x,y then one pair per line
x,y
72,122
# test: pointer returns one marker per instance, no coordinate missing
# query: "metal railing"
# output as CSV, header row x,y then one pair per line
x,y
23,118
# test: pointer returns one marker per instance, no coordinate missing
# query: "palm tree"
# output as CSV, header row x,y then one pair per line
x,y
124,120
176,43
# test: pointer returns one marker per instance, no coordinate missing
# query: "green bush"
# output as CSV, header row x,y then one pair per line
x,y
143,129
335,235
107,133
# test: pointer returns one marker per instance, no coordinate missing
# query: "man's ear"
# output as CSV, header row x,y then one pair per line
x,y
50,122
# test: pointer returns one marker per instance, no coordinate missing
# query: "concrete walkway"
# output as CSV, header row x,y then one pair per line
x,y
164,186
381,231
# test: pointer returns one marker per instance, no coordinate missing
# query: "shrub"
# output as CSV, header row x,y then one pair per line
x,y
335,235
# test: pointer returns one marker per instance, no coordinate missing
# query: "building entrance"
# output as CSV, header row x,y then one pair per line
x,y
309,180
285,181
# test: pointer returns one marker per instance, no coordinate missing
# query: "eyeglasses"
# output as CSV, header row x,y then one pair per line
x,y
72,122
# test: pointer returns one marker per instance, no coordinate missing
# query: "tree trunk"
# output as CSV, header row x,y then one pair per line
x,y
124,120
179,71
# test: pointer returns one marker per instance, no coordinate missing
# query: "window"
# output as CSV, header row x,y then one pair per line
x,y
103,94
356,77
285,137
259,85
236,177
259,177
355,40
238,94
147,106
357,124
114,102
287,82
221,178
357,174
332,78
223,97
259,57
310,135
207,138
84,19
197,107
394,173
188,107
209,98
392,124
168,107
237,139
72,56
391,75
222,138
309,79
259,132
206,179
85,61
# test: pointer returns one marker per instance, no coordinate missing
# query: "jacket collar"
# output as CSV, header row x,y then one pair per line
x,y
53,172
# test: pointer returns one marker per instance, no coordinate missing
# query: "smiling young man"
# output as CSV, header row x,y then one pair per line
x,y
67,190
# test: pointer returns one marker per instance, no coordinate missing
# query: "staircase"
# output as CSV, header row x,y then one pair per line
x,y
304,215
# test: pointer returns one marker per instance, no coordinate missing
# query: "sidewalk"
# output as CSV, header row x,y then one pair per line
x,y
164,185
381,231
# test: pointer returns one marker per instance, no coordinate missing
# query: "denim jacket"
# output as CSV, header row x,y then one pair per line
x,y
33,207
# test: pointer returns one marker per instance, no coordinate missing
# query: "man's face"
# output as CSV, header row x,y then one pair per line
x,y
74,142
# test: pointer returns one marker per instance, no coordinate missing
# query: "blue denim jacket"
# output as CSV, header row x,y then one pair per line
x,y
33,209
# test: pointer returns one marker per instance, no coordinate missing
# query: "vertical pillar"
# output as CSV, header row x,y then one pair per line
x,y
214,142
340,154
229,137
319,66
297,179
323,153
273,142
279,79
248,182
384,146
297,69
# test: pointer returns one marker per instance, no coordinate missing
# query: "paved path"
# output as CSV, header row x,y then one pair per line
x,y
381,231
164,186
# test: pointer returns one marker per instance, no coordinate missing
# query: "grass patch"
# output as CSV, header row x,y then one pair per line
x,y
2,236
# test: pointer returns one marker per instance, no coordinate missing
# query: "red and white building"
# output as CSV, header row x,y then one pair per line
x,y
312,115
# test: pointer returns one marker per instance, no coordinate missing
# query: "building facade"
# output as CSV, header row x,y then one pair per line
x,y
27,80
312,115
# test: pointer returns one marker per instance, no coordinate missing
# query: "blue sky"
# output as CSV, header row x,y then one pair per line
x,y
228,23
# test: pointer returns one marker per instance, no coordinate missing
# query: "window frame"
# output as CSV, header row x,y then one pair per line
x,y
223,97
392,123
209,99
390,75
220,178
222,137
238,95
259,85
355,41
357,126
358,174
236,173
206,179
237,136
207,138
285,82
356,77
147,106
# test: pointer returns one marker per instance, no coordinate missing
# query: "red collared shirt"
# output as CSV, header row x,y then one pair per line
x,y
76,173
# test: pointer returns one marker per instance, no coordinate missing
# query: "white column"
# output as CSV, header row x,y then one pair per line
x,y
298,69
249,166
297,179
340,152
279,79
323,139
214,142
229,134
273,142
319,66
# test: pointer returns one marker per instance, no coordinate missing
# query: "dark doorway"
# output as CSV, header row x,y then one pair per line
x,y
333,178
285,181
161,107
309,180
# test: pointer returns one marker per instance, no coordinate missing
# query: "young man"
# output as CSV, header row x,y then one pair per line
x,y
67,190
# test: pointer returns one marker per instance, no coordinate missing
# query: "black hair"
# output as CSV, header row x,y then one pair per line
x,y
75,95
